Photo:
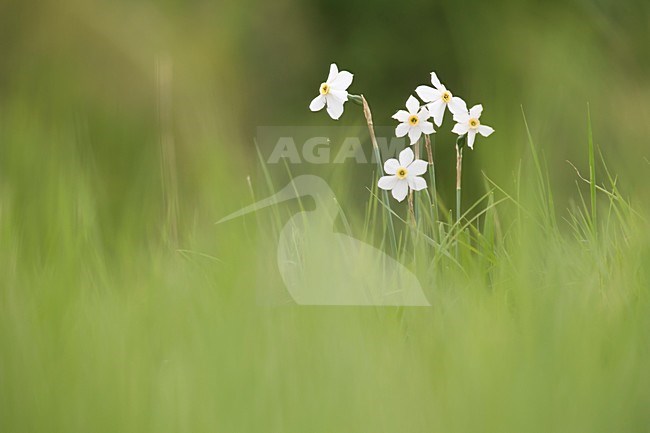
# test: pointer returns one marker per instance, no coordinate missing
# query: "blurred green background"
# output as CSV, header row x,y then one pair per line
x,y
87,70
127,129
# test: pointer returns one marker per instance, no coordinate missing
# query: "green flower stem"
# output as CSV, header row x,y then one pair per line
x,y
357,99
459,171
373,139
416,211
432,177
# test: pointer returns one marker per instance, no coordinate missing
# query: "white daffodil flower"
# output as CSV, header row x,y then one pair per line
x,y
469,123
414,121
333,92
403,174
439,98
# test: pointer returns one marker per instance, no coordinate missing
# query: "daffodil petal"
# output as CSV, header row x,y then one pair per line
x,y
423,114
471,136
317,103
435,81
334,70
406,157
387,182
400,190
485,130
391,165
428,94
427,127
416,183
460,128
461,117
401,115
457,106
342,81
412,104
334,108
418,167
402,129
415,132
476,111
341,95
437,109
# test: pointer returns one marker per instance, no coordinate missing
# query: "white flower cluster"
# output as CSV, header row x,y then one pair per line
x,y
437,98
403,173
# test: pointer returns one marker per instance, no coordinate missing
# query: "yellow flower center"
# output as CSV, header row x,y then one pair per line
x,y
401,173
446,97
324,89
413,120
474,123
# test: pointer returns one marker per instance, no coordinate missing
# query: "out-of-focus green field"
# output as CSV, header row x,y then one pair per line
x,y
127,129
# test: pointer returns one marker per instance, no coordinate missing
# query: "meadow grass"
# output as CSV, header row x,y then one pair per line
x,y
136,324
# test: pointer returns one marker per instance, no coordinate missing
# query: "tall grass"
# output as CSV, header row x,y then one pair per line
x,y
540,324
123,308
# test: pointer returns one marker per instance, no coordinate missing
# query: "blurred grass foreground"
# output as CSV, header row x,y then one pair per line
x,y
127,129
